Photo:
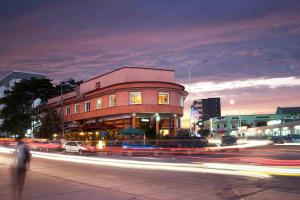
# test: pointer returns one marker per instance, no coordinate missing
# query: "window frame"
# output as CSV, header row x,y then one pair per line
x,y
110,102
135,92
181,101
85,106
161,93
68,110
75,109
97,105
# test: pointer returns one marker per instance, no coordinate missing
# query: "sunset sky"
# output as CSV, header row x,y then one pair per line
x,y
252,46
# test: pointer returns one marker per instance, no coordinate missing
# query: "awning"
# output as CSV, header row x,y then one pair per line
x,y
131,131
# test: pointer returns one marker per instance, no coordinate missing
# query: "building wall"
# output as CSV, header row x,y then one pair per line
x,y
128,75
228,124
134,80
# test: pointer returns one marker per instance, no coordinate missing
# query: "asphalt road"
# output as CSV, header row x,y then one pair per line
x,y
50,179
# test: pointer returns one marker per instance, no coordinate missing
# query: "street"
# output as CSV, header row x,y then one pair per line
x,y
53,179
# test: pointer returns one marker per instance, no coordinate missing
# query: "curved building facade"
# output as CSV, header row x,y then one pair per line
x,y
144,98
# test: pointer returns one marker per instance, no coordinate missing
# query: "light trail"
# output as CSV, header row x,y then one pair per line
x,y
213,168
284,171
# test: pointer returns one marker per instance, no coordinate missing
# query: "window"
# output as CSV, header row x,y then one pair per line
x,y
181,101
99,103
68,110
98,85
135,97
163,98
112,100
87,106
76,108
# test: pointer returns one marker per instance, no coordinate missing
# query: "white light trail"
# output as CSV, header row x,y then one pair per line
x,y
213,168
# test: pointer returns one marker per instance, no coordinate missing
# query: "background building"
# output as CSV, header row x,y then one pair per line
x,y
144,98
7,83
237,124
289,113
285,121
204,109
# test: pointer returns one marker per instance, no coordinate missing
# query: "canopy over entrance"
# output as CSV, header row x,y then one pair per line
x,y
131,131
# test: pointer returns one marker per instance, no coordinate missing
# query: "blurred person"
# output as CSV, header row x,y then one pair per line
x,y
19,167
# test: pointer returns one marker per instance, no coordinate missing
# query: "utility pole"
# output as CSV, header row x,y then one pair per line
x,y
190,104
62,111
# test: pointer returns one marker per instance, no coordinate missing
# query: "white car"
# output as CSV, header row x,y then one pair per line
x,y
74,147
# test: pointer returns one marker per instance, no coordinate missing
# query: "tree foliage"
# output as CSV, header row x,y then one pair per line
x,y
18,110
67,86
50,124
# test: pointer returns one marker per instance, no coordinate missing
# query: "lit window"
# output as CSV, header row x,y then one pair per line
x,y
181,101
163,98
68,110
99,103
112,100
87,106
76,108
135,98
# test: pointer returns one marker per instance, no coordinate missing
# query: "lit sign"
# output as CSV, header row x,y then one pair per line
x,y
145,120
273,122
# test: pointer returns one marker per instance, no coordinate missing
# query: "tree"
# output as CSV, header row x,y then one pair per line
x,y
50,124
67,86
18,110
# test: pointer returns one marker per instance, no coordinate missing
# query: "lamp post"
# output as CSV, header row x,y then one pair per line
x,y
62,111
190,68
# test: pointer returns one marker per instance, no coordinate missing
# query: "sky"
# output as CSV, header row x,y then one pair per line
x,y
252,47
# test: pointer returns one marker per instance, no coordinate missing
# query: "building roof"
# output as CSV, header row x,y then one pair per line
x,y
287,110
150,68
18,74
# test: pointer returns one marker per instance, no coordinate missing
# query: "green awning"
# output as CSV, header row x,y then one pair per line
x,y
133,131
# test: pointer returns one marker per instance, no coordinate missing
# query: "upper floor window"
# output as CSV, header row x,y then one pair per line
x,y
99,103
112,100
181,101
87,106
76,108
135,97
68,110
98,85
163,97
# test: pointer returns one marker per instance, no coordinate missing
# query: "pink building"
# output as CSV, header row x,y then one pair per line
x,y
145,98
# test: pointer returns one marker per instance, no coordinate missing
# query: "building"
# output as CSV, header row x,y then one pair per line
x,y
289,113
204,109
238,124
283,129
144,98
7,82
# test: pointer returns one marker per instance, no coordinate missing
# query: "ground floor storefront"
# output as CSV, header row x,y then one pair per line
x,y
155,125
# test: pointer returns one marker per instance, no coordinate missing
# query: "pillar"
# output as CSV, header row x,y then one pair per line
x,y
175,125
157,120
133,119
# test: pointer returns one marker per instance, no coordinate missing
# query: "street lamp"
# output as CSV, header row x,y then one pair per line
x,y
190,68
62,111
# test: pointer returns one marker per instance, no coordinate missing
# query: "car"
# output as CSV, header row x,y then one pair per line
x,y
77,147
278,139
292,138
228,140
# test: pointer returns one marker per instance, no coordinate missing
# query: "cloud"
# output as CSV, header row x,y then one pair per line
x,y
271,83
